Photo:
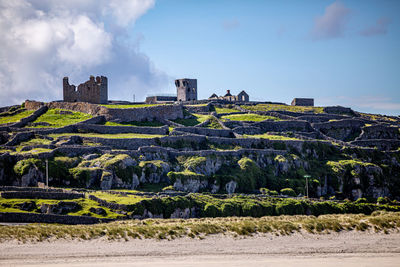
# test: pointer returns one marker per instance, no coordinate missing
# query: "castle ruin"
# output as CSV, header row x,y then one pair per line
x,y
186,89
92,91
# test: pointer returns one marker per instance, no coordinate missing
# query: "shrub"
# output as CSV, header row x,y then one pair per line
x,y
361,200
289,207
22,167
288,192
273,193
383,200
249,174
211,211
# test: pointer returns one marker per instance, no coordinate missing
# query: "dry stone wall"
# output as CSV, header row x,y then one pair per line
x,y
166,112
206,131
41,195
22,217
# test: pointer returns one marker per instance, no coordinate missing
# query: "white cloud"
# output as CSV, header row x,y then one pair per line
x,y
127,11
380,28
43,41
332,23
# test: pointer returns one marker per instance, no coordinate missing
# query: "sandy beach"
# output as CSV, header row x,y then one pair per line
x,y
343,249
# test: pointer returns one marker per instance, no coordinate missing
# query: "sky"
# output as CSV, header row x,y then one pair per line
x,y
337,52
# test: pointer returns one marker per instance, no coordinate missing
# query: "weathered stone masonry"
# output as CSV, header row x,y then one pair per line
x,y
92,91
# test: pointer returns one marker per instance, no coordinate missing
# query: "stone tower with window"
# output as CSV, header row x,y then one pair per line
x,y
186,89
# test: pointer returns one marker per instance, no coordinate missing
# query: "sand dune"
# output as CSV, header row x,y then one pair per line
x,y
343,249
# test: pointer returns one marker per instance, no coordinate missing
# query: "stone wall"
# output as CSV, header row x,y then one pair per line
x,y
103,129
206,131
24,217
321,118
41,195
124,143
88,108
165,112
30,118
339,110
379,132
199,108
381,144
343,130
277,126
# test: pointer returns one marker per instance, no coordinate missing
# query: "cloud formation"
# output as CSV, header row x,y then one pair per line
x,y
380,28
332,23
43,41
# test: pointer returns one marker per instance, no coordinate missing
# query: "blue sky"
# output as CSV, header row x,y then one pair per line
x,y
338,52
270,49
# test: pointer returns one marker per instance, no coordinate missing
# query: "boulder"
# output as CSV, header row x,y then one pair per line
x,y
190,185
63,207
33,176
98,211
231,187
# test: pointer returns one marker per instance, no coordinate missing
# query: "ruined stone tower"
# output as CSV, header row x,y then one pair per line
x,y
91,91
186,89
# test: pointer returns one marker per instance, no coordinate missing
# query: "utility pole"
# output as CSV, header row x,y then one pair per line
x,y
307,176
134,98
47,173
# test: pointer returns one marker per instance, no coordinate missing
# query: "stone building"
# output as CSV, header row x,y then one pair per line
x,y
186,89
160,99
241,97
303,102
92,91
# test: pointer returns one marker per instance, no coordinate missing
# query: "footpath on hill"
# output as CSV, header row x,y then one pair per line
x,y
300,249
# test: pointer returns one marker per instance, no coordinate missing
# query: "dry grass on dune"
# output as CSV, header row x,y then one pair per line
x,y
175,228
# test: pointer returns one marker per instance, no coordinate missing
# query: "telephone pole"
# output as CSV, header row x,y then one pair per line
x,y
307,176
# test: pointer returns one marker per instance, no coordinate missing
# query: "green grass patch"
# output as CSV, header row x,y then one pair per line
x,y
36,141
226,110
59,118
198,118
16,117
12,205
109,136
118,198
248,117
273,107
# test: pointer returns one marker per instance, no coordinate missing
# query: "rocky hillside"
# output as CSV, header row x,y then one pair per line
x,y
207,147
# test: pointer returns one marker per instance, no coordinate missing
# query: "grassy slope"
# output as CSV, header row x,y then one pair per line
x,y
55,119
199,228
271,107
226,110
117,198
85,203
16,117
247,117
199,118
